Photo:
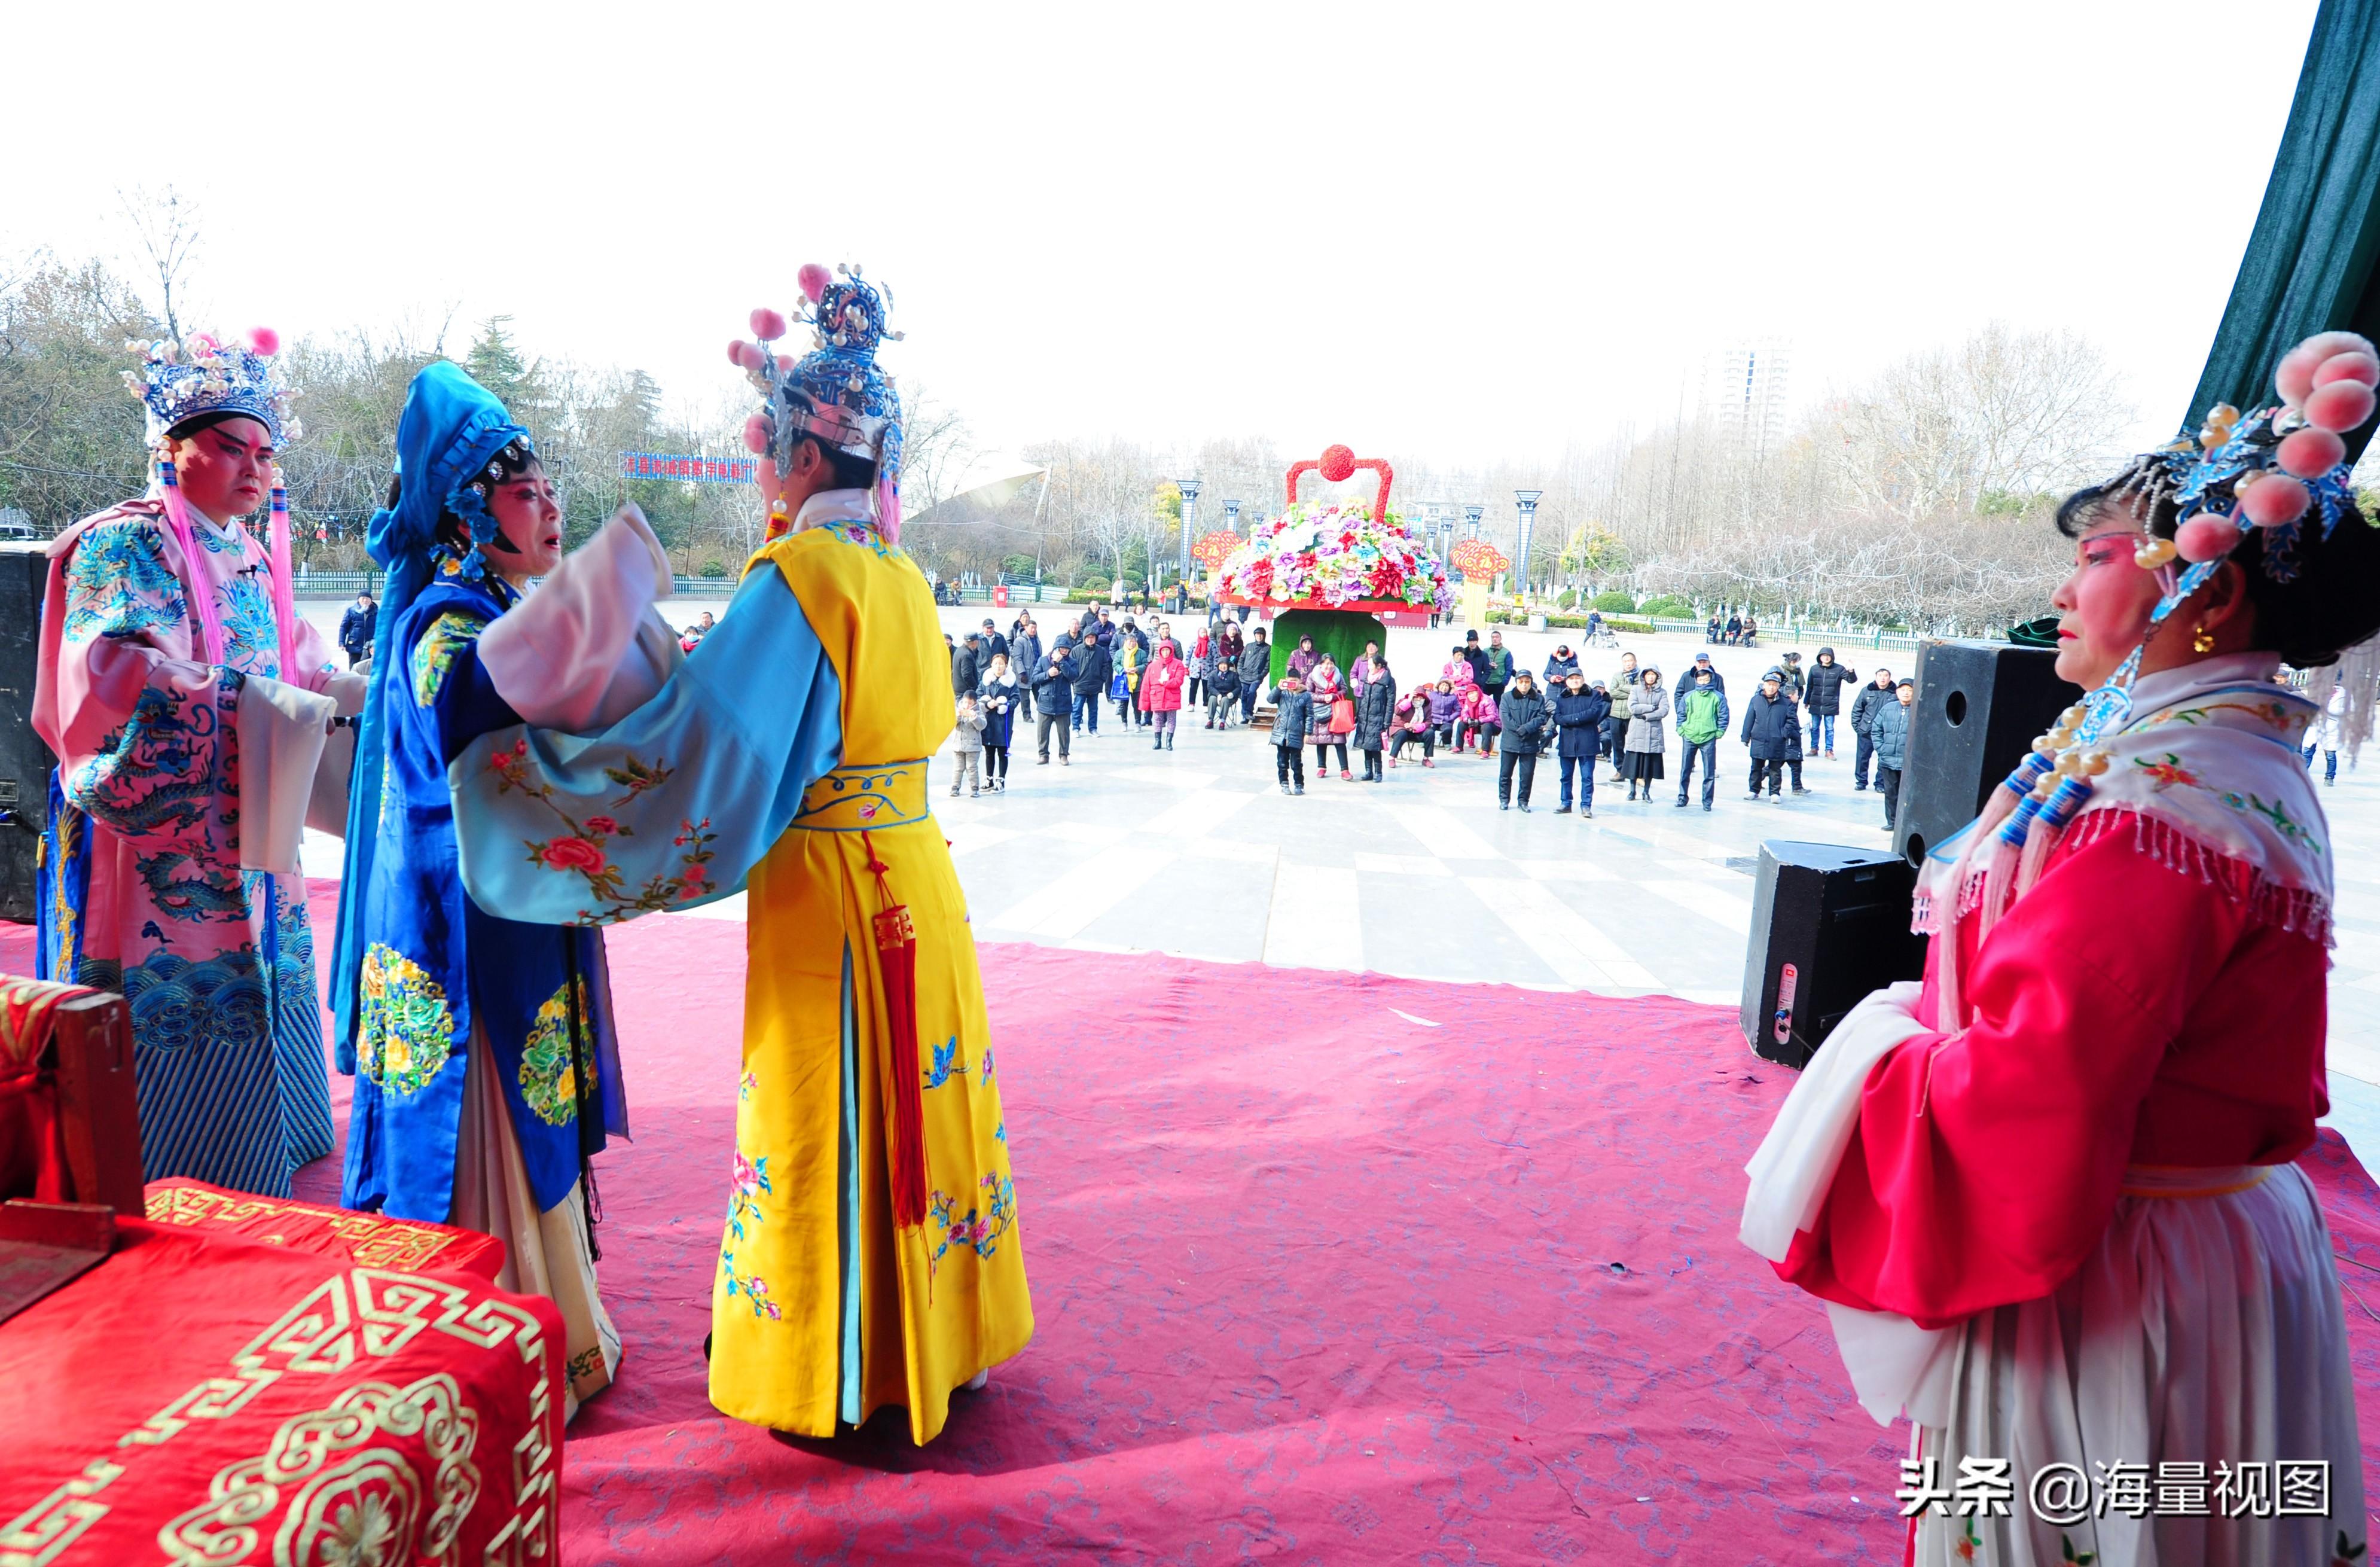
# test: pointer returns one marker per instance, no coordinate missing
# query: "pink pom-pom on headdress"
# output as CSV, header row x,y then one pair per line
x,y
745,356
757,431
813,279
768,326
263,342
2311,453
785,362
2350,366
2208,536
2274,500
2294,376
2342,406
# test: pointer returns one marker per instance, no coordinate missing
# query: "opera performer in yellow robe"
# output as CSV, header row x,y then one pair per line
x,y
871,1253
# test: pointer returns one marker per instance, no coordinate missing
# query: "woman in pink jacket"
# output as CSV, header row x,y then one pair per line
x,y
1161,694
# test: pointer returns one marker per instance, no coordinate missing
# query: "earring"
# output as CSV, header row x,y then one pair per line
x,y
2202,641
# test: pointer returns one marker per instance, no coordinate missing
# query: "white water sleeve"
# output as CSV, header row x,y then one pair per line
x,y
282,729
554,655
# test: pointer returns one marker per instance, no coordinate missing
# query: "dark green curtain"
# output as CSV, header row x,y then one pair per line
x,y
2309,266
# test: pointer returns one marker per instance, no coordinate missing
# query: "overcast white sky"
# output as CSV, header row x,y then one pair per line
x,y
1470,231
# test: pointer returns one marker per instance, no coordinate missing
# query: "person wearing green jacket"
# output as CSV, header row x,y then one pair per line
x,y
1702,719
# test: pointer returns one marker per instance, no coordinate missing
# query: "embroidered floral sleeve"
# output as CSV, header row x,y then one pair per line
x,y
669,808
436,650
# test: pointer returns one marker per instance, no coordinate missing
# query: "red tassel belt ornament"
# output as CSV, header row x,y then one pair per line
x,y
905,1087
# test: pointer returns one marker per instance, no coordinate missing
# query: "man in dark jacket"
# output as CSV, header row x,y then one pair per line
x,y
1526,720
1578,723
1823,696
1559,669
1872,696
1891,726
355,628
1054,698
1770,728
1255,668
1701,709
967,666
1091,668
1025,653
994,642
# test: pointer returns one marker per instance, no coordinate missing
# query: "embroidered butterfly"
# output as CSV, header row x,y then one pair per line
x,y
946,1064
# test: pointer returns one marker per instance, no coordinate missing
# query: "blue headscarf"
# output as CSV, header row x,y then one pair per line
x,y
450,430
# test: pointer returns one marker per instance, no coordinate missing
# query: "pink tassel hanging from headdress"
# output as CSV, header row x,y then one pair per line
x,y
177,518
888,509
284,610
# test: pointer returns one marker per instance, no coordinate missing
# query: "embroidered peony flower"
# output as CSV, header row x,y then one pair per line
x,y
571,854
602,826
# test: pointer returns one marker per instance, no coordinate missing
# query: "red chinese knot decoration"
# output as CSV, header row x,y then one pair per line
x,y
1478,558
1213,549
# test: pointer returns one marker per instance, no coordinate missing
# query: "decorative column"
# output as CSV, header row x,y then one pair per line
x,y
1232,516
1189,488
1527,500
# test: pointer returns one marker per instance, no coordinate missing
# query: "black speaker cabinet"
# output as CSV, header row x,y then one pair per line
x,y
24,761
1828,925
1979,705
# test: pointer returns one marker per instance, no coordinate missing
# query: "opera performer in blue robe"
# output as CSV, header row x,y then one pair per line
x,y
486,1071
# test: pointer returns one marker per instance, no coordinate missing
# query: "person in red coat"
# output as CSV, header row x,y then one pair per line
x,y
1161,693
2048,1195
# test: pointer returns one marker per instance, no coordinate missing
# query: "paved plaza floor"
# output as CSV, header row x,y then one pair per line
x,y
1195,852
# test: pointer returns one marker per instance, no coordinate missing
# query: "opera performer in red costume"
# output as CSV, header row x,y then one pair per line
x,y
2048,1195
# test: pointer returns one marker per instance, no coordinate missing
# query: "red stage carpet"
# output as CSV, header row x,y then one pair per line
x,y
1315,1281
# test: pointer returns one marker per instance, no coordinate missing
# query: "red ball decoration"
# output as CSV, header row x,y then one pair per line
x,y
2342,406
742,355
813,279
2274,500
755,434
2208,536
2356,367
768,326
2310,453
263,341
1337,463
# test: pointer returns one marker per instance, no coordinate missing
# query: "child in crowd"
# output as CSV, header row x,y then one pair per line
x,y
1293,709
966,739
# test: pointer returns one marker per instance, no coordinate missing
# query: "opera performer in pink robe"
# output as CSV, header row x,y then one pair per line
x,y
188,708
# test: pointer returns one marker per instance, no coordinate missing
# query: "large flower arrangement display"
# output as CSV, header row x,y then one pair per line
x,y
1338,553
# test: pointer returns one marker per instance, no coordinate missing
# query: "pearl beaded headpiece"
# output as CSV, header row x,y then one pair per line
x,y
2267,471
179,381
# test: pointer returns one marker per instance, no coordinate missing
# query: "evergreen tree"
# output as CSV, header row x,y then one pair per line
x,y
496,365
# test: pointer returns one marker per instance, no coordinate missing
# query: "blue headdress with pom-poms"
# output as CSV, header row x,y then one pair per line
x,y
836,393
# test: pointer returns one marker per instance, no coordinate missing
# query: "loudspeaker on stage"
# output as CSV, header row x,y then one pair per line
x,y
1979,706
1829,924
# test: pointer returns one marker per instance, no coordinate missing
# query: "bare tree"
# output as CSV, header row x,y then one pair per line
x,y
166,224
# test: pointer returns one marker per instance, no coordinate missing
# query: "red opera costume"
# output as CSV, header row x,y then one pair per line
x,y
2048,1195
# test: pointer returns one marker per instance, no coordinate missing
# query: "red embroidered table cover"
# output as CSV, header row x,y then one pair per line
x,y
369,1240
199,1400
